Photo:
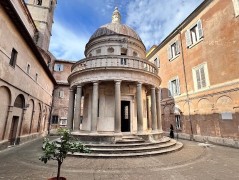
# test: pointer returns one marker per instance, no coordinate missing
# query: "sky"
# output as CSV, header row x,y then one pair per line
x,y
76,20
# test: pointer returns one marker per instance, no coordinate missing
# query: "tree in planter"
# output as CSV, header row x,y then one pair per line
x,y
58,150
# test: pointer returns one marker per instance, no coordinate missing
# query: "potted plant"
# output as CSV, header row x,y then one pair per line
x,y
58,150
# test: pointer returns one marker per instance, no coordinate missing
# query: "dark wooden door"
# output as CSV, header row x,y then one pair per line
x,y
13,131
125,116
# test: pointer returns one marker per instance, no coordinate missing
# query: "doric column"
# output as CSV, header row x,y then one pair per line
x,y
117,107
77,108
158,106
149,114
153,109
70,109
94,106
139,108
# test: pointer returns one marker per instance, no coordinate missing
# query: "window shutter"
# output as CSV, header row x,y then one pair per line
x,y
236,7
188,38
200,30
178,86
61,67
169,89
198,78
177,47
169,52
55,67
203,78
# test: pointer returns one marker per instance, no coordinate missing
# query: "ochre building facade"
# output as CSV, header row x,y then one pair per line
x,y
199,69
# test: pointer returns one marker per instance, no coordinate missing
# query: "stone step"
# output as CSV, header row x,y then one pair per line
x,y
121,145
125,150
176,147
129,141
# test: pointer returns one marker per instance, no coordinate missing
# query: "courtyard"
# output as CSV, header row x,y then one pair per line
x,y
195,161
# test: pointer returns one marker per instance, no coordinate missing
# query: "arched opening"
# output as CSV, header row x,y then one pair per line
x,y
27,124
39,118
19,102
19,105
5,101
38,2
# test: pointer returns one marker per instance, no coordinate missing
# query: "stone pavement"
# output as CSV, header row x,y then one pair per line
x,y
193,162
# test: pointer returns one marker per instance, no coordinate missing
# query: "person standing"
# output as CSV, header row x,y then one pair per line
x,y
171,131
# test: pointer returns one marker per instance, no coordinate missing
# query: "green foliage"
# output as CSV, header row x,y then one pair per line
x,y
58,150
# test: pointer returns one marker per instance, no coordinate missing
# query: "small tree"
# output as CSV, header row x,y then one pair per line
x,y
58,150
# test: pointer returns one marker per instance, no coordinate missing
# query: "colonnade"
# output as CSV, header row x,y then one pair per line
x,y
155,122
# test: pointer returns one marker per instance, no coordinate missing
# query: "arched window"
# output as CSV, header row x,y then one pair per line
x,y
20,101
110,50
90,55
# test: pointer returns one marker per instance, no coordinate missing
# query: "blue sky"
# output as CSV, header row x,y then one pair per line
x,y
76,20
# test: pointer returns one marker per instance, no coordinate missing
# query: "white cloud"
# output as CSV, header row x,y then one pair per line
x,y
153,20
66,44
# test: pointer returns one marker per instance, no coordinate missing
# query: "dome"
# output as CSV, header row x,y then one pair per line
x,y
115,28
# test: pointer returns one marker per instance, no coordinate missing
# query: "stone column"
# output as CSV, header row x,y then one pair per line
x,y
94,107
71,109
158,106
77,108
153,109
139,108
117,107
149,114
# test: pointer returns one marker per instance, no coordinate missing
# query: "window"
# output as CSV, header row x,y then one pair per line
x,y
38,2
61,94
135,54
236,7
174,87
200,77
98,51
63,122
54,120
157,62
123,61
194,34
123,51
28,68
58,67
36,77
173,50
110,50
178,123
13,58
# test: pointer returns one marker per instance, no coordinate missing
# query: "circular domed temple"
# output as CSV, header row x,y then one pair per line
x,y
120,88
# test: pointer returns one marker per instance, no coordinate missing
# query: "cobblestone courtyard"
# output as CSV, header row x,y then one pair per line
x,y
192,162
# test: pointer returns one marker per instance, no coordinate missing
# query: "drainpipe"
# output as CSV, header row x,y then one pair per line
x,y
186,86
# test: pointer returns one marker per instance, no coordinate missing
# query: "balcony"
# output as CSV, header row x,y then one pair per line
x,y
117,62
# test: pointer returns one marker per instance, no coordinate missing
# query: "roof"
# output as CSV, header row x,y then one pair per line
x,y
115,29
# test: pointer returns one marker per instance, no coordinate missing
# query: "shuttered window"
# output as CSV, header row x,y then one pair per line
x,y
236,7
173,87
200,76
61,94
58,67
173,50
194,34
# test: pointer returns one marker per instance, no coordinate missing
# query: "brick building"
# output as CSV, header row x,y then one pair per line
x,y
198,65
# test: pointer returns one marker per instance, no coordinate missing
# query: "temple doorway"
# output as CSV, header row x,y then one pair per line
x,y
125,116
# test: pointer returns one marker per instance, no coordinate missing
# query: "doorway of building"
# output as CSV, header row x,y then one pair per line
x,y
125,116
13,131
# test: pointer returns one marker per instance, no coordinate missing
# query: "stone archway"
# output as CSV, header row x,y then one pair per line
x,y
39,117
